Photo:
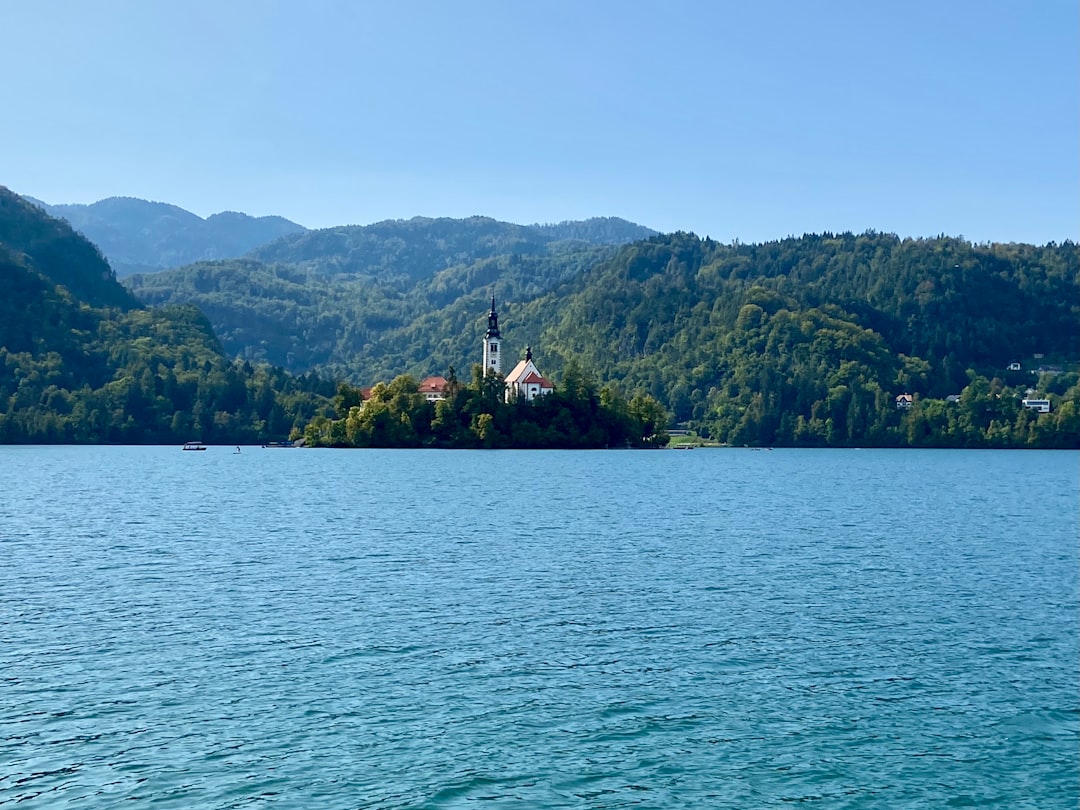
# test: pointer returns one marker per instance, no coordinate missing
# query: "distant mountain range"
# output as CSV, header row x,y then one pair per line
x,y
138,236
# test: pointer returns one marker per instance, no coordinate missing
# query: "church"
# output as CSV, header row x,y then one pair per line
x,y
525,380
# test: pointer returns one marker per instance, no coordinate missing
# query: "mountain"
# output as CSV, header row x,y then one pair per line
x,y
404,252
141,236
597,231
804,340
810,340
83,361
825,339
46,249
324,298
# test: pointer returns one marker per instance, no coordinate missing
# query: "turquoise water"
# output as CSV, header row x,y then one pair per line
x,y
399,629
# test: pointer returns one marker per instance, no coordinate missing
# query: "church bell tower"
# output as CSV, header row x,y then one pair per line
x,y
492,353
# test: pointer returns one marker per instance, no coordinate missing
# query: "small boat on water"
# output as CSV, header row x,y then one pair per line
x,y
279,444
194,446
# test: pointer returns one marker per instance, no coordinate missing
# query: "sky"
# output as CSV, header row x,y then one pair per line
x,y
736,120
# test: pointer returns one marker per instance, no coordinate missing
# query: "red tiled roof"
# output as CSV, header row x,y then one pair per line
x,y
432,385
536,378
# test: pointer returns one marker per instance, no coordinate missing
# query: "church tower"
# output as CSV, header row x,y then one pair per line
x,y
492,354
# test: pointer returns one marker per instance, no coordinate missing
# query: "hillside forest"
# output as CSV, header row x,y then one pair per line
x,y
820,340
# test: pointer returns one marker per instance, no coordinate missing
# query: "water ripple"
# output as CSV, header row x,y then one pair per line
x,y
603,630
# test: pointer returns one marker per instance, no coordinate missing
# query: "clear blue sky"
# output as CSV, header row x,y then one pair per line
x,y
738,120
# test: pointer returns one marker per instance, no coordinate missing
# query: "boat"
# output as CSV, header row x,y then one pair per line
x,y
194,446
279,444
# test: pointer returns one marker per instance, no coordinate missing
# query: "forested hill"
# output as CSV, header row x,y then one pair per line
x,y
41,250
335,299
142,236
945,300
802,340
82,361
810,340
407,251
597,231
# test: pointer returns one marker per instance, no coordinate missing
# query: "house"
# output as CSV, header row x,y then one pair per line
x,y
1013,366
433,388
952,398
526,381
1038,405
904,401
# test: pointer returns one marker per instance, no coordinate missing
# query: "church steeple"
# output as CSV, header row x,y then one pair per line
x,y
492,355
493,320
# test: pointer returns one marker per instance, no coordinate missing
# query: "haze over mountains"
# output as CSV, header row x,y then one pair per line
x,y
138,236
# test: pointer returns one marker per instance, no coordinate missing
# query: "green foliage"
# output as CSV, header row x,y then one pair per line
x,y
359,327
149,378
59,255
477,416
808,341
597,231
802,341
79,362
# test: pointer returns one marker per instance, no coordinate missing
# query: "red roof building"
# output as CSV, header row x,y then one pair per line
x,y
433,388
527,381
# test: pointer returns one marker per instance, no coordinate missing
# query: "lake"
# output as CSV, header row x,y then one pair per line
x,y
449,629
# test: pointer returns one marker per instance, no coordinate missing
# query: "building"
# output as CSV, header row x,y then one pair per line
x,y
1039,405
1013,366
492,342
433,388
526,381
904,401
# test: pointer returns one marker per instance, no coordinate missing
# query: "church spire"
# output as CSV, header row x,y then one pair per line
x,y
493,321
492,355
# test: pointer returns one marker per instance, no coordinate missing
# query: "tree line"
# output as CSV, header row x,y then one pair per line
x,y
804,341
578,415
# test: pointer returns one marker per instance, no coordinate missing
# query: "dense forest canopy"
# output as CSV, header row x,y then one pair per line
x,y
740,341
596,231
478,415
82,361
809,340
805,341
